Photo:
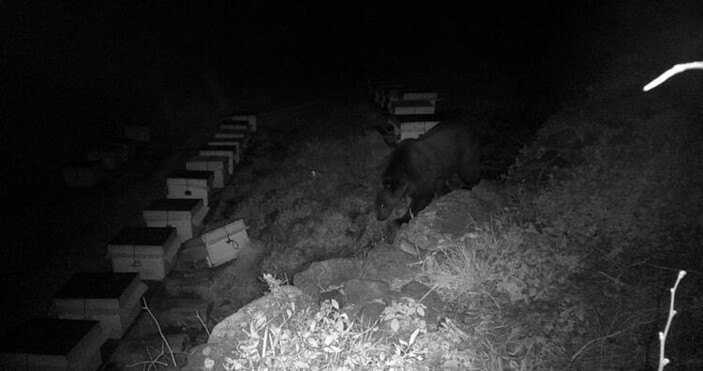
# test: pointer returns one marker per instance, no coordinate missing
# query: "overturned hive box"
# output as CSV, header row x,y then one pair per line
x,y
412,107
184,214
84,174
217,164
111,298
412,126
149,251
230,152
53,344
190,184
224,241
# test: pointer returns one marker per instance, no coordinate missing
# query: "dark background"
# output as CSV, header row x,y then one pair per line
x,y
73,71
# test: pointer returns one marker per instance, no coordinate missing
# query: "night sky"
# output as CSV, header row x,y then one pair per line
x,y
76,70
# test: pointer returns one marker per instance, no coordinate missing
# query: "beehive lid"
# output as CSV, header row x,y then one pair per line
x,y
412,103
174,204
234,122
244,113
49,336
219,149
97,285
190,174
416,118
205,159
143,236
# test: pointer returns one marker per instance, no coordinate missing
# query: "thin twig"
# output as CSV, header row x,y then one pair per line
x,y
153,360
573,358
158,327
671,72
202,323
663,361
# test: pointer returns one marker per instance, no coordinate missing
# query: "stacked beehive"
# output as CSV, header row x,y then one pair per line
x,y
411,111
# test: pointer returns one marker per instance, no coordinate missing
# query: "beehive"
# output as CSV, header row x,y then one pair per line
x,y
216,164
149,251
228,151
108,297
184,214
190,184
412,126
223,242
53,344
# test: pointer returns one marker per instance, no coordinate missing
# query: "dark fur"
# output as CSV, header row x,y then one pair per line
x,y
420,168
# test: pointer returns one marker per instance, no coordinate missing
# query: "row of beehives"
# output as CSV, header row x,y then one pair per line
x,y
101,159
151,250
92,306
411,111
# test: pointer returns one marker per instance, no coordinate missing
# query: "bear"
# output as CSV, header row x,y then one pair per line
x,y
420,168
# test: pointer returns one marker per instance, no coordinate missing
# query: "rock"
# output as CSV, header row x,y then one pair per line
x,y
371,311
327,275
208,356
448,219
390,265
194,283
435,307
336,295
179,312
359,292
230,330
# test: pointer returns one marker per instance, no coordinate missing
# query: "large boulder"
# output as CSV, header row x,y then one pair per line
x,y
449,219
227,334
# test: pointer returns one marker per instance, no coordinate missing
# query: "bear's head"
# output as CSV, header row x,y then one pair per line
x,y
389,196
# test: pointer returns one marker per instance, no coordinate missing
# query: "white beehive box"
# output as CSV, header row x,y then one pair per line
x,y
427,95
190,184
229,151
237,142
251,117
412,126
395,95
53,344
85,174
217,164
149,251
412,107
234,134
184,214
380,92
392,95
111,298
223,242
137,133
375,84
235,125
